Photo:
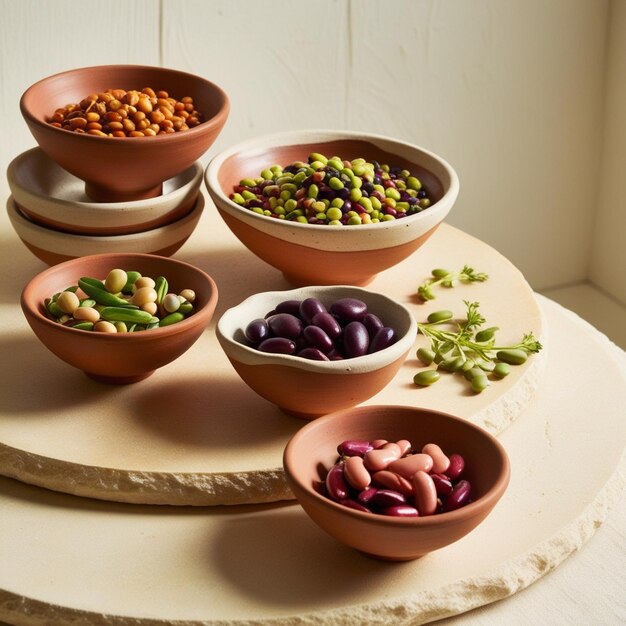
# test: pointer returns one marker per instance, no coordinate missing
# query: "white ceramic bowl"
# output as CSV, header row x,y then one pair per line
x,y
329,255
53,246
51,196
307,388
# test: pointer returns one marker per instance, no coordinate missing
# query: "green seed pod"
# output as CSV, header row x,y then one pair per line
x,y
172,318
501,370
120,314
87,302
512,357
83,326
426,378
413,183
439,273
101,296
161,287
313,191
439,316
480,383
131,278
425,355
238,198
55,310
92,281
247,182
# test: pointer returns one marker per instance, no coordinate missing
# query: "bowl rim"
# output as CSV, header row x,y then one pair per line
x,y
488,499
196,172
435,213
173,329
216,120
357,365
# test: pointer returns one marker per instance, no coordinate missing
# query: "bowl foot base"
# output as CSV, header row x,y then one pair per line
x,y
390,559
119,380
300,281
106,194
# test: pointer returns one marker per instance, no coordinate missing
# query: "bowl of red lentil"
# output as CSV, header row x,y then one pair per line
x,y
124,129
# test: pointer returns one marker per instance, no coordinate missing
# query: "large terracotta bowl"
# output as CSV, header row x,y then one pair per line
x,y
306,388
313,450
123,168
49,195
325,254
55,246
125,357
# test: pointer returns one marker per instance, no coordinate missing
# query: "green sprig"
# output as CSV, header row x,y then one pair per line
x,y
449,279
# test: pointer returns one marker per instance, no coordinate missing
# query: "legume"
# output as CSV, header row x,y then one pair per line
x,y
393,479
123,302
309,330
120,113
334,192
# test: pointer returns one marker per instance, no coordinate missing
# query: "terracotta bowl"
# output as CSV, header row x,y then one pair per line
x,y
126,168
54,246
313,450
126,357
48,195
305,388
356,253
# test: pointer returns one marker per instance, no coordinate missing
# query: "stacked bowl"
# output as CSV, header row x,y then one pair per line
x,y
79,193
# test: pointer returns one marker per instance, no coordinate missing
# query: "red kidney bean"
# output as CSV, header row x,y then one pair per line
x,y
334,355
336,484
277,345
384,498
313,354
425,493
349,309
400,511
393,481
353,504
459,497
365,497
328,324
404,445
380,458
288,306
372,323
379,443
456,467
408,465
440,461
285,325
443,484
309,308
354,447
384,338
355,340
257,330
317,338
356,474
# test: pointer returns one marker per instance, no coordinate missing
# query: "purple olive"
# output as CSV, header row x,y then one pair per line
x,y
336,484
349,309
384,338
257,330
353,504
400,511
289,306
372,323
328,324
459,497
354,447
309,308
317,338
355,340
277,345
285,325
384,498
313,354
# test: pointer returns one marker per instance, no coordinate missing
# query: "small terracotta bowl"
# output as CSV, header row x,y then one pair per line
x,y
117,169
125,357
305,388
54,246
356,253
313,450
48,195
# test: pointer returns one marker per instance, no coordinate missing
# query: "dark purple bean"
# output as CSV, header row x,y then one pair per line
x,y
355,340
456,467
257,330
365,496
289,306
353,504
317,338
336,484
443,484
285,325
277,345
384,498
459,497
328,324
335,355
354,447
342,193
270,313
372,323
309,308
384,338
313,354
349,309
402,510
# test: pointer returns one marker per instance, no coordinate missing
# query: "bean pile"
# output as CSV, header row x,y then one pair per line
x,y
333,191
309,330
123,302
120,113
390,478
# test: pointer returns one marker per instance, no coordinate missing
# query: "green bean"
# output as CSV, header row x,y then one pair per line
x,y
480,383
501,370
185,308
512,357
54,309
121,314
161,287
88,302
471,373
486,335
101,295
425,355
426,378
131,278
172,318
439,316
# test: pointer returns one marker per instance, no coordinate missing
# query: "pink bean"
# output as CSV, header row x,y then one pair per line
x,y
459,497
353,504
378,443
402,510
457,464
356,474
384,498
408,465
425,493
393,447
443,484
353,447
391,480
440,461
404,445
379,459
365,497
336,484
